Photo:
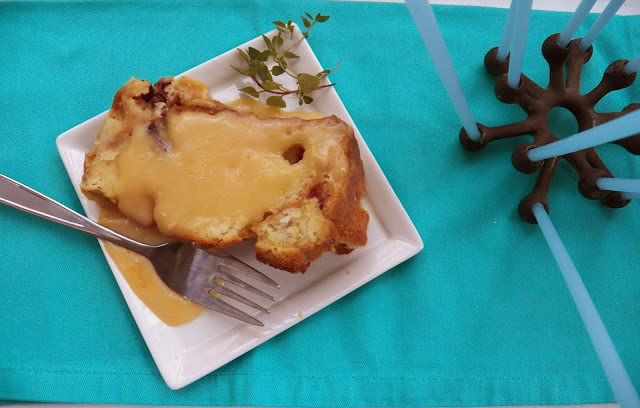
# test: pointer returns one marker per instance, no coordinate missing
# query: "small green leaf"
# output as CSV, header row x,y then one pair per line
x,y
308,82
274,41
267,41
263,73
277,70
254,65
307,99
254,54
264,55
308,15
270,85
250,90
276,100
277,42
279,24
291,55
243,55
306,22
321,19
243,71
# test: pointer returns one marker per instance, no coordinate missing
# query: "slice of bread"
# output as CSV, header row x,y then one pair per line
x,y
170,155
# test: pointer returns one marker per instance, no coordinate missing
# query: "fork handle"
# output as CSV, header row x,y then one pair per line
x,y
26,199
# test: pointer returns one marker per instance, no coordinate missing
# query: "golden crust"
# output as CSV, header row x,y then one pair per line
x,y
326,214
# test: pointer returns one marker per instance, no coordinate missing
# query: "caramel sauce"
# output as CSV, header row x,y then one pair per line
x,y
203,188
167,305
206,173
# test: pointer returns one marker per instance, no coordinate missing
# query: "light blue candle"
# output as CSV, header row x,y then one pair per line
x,y
426,21
505,43
632,66
518,41
619,379
575,21
631,196
618,184
611,131
600,23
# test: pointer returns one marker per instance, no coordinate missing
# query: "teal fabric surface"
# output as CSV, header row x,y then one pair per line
x,y
480,317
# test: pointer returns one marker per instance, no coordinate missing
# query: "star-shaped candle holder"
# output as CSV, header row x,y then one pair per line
x,y
563,91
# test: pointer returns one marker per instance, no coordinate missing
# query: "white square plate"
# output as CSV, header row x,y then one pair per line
x,y
186,353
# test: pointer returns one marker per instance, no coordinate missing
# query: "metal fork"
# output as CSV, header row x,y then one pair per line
x,y
185,268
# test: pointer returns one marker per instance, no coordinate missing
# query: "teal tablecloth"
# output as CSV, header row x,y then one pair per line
x,y
480,317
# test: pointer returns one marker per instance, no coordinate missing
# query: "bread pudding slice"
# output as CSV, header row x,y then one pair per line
x,y
170,155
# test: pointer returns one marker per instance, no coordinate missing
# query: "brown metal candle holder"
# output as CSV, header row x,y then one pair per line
x,y
538,102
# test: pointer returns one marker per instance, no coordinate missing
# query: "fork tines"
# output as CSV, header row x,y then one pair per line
x,y
224,274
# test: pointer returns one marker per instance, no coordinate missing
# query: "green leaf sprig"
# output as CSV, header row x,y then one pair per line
x,y
264,65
